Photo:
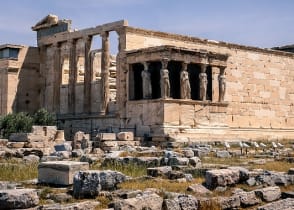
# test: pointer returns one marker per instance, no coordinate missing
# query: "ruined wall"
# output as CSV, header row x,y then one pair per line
x,y
28,94
19,81
3,90
259,91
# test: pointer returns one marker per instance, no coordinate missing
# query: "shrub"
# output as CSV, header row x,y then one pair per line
x,y
43,117
15,123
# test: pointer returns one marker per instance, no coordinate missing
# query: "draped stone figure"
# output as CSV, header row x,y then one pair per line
x,y
222,87
146,82
185,83
203,86
164,83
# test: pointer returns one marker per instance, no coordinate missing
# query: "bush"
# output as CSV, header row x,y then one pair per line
x,y
22,122
43,117
15,123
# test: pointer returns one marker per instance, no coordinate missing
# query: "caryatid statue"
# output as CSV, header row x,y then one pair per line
x,y
203,83
185,83
164,80
222,86
146,82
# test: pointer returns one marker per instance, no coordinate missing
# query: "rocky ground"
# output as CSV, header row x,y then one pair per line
x,y
114,172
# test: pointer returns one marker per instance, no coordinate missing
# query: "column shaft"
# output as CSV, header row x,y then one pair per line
x,y
105,71
72,76
88,75
57,78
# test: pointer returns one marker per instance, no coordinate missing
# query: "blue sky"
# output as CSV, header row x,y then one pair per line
x,y
261,23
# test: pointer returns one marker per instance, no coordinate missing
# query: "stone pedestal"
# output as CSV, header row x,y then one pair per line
x,y
59,172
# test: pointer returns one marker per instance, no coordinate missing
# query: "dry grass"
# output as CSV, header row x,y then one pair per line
x,y
233,161
12,170
131,169
104,201
281,166
163,185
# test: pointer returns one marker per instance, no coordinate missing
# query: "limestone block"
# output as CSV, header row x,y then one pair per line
x,y
36,138
171,114
18,137
18,199
159,171
59,172
106,136
125,136
148,200
285,204
248,199
59,137
3,142
181,202
89,183
231,202
35,144
268,194
109,144
15,144
187,115
221,177
130,143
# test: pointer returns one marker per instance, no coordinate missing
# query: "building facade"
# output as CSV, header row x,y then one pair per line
x,y
160,85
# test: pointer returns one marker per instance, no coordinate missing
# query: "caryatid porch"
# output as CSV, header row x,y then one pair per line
x,y
175,88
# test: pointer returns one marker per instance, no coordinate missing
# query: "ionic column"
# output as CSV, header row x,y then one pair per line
x,y
222,84
57,78
105,71
72,76
203,82
164,79
43,56
184,82
88,75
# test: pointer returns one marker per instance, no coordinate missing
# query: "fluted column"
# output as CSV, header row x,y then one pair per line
x,y
203,82
88,75
43,71
72,76
105,71
57,78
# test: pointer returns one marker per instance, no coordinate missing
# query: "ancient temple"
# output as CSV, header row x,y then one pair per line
x,y
161,86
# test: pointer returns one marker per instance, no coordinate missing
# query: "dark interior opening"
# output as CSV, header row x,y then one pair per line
x,y
209,83
137,70
154,69
194,71
174,68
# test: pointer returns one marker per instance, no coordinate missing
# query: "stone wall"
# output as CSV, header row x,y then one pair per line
x,y
259,91
19,87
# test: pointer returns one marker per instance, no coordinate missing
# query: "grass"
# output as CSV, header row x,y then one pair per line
x,y
161,184
281,166
131,169
232,161
12,170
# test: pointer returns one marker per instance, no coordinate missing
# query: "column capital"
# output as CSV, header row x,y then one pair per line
x,y
164,63
222,69
185,65
145,64
104,34
203,67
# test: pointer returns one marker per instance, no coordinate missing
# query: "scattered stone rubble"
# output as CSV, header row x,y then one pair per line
x,y
66,164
